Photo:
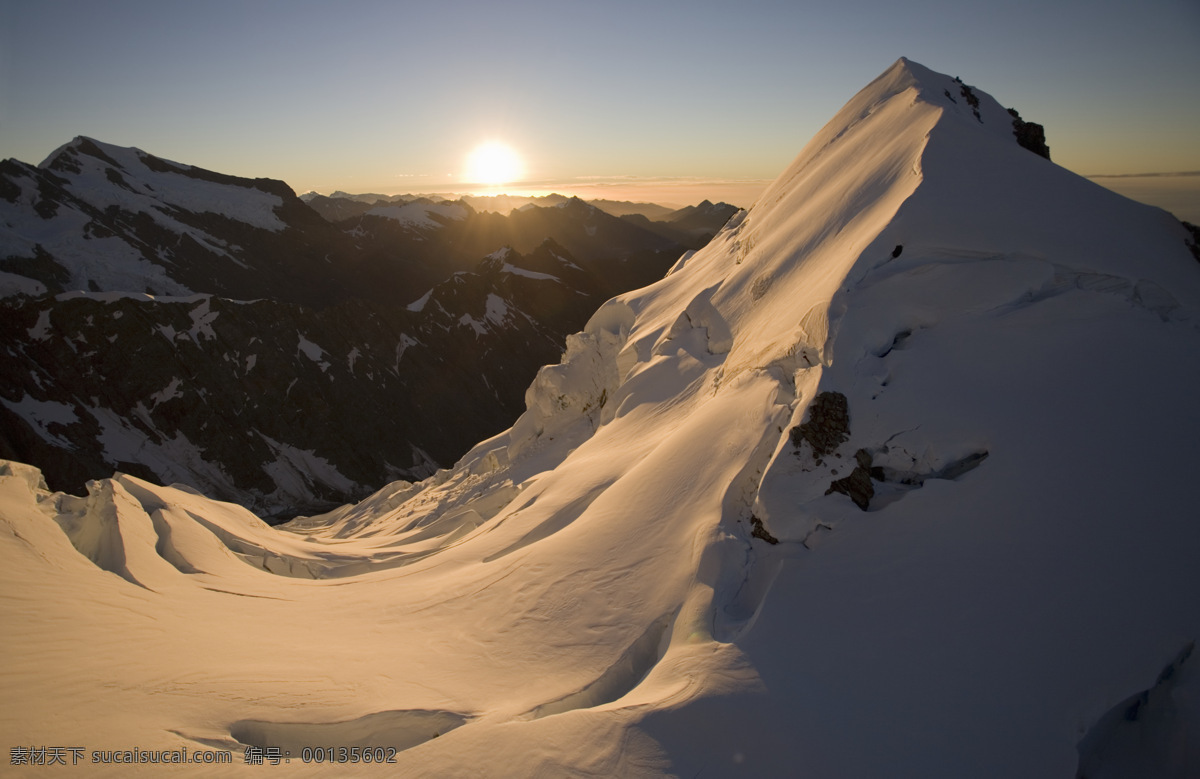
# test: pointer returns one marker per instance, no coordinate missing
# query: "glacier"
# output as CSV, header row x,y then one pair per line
x,y
652,574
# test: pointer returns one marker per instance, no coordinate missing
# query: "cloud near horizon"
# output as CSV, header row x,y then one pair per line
x,y
1168,174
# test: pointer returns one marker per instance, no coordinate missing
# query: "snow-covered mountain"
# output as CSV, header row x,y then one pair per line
x,y
692,226
335,206
102,218
890,479
188,326
99,217
272,405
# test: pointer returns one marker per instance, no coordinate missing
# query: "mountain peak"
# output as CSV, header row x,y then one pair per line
x,y
947,93
66,157
576,202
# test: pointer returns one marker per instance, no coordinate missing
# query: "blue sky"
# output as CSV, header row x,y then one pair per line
x,y
392,96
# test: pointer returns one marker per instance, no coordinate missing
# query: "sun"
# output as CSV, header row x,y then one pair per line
x,y
493,163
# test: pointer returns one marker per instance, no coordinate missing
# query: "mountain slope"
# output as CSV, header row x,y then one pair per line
x,y
890,479
99,217
188,326
103,218
693,226
273,405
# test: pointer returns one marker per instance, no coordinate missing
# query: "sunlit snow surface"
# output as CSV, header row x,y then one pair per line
x,y
581,595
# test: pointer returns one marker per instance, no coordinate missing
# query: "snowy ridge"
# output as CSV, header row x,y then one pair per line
x,y
86,178
837,496
421,214
159,188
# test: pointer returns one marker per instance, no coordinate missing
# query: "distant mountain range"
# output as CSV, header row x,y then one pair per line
x,y
689,225
189,326
501,204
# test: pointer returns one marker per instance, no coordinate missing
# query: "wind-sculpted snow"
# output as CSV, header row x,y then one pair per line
x,y
398,730
577,387
976,546
700,313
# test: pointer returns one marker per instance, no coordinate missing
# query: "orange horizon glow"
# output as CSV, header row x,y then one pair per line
x,y
670,192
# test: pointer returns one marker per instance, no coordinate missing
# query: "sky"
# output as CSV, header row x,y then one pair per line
x,y
651,100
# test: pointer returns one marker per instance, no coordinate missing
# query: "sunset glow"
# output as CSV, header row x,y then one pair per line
x,y
493,163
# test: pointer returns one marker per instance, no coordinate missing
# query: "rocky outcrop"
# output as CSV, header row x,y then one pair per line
x,y
827,427
828,424
857,486
972,99
1030,135
759,531
1194,243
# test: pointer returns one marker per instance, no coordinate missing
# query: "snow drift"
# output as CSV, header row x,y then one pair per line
x,y
890,479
